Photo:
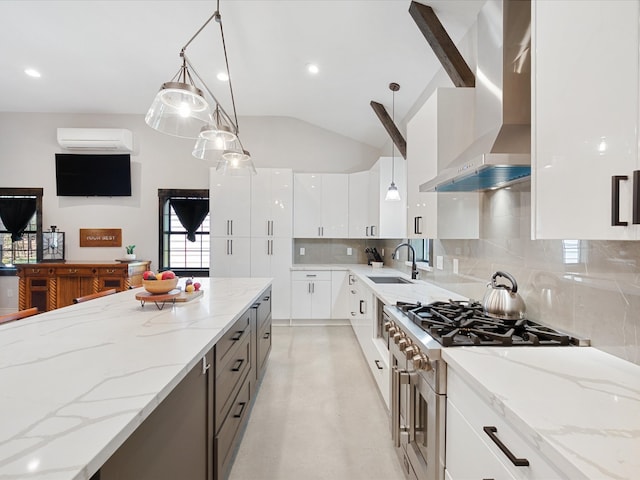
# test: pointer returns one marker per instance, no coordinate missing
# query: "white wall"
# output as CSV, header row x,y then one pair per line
x,y
28,144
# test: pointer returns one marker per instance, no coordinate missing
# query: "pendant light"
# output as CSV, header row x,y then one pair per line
x,y
181,108
393,195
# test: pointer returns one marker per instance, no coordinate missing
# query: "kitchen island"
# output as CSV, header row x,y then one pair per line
x,y
78,381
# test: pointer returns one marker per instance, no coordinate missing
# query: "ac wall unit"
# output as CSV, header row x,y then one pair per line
x,y
112,139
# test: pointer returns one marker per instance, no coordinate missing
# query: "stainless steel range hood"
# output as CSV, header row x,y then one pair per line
x,y
501,153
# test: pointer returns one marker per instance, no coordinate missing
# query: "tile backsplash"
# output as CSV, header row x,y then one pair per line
x,y
588,288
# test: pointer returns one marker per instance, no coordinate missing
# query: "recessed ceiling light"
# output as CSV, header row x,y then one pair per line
x,y
312,68
223,77
32,72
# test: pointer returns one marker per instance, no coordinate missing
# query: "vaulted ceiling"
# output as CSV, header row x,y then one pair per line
x,y
111,57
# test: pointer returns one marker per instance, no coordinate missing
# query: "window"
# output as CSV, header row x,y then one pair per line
x,y
20,207
423,248
184,231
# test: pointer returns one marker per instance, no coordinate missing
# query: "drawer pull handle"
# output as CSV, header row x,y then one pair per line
x,y
73,270
239,363
35,270
518,462
237,336
266,299
266,336
377,362
239,414
111,270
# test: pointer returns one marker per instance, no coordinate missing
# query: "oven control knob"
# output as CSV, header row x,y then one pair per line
x,y
410,351
397,337
403,343
387,326
392,330
421,362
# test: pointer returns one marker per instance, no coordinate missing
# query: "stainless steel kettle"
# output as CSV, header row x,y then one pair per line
x,y
502,301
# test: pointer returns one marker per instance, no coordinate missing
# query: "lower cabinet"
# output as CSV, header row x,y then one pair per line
x,y
480,443
194,433
311,294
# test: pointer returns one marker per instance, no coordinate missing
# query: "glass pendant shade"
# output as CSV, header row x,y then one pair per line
x,y
236,162
179,109
392,193
213,141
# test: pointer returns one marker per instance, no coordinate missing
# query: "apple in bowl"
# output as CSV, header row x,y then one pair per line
x,y
161,282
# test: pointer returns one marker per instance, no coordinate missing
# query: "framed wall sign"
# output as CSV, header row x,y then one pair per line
x,y
100,237
52,246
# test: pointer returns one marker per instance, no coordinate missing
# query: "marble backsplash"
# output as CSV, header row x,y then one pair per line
x,y
588,288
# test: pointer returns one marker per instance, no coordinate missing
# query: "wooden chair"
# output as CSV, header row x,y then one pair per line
x,y
91,296
10,317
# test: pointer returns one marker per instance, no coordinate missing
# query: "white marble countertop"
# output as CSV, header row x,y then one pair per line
x,y
578,405
418,290
77,381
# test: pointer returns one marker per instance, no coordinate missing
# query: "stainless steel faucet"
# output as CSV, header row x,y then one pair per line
x,y
414,268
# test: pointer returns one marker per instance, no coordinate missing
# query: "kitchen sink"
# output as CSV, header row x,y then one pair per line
x,y
397,280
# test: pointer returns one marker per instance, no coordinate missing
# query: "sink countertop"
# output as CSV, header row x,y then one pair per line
x,y
390,293
77,381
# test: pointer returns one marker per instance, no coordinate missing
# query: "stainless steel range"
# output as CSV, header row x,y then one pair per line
x,y
417,334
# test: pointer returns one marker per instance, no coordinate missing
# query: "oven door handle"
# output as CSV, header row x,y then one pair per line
x,y
411,414
398,379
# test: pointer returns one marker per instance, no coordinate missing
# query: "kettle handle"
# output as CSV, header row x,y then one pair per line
x,y
506,275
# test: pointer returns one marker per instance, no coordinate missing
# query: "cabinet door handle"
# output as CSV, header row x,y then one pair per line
x,y
319,231
518,462
350,279
377,362
309,287
238,365
205,366
366,231
228,227
373,231
238,335
239,414
417,225
231,223
313,287
615,200
362,307
636,197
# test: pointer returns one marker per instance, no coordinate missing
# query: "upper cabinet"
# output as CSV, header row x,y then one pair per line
x,y
321,205
436,135
230,205
272,203
370,215
585,119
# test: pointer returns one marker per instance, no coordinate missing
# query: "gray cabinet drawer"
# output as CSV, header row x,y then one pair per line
x,y
229,376
233,337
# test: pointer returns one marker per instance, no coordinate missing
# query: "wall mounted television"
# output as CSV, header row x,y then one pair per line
x,y
90,175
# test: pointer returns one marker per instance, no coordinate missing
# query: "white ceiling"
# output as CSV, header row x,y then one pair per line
x,y
112,56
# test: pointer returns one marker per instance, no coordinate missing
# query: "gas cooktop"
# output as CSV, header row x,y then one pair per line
x,y
464,323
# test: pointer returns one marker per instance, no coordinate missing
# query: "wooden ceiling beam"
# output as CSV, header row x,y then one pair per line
x,y
442,45
396,137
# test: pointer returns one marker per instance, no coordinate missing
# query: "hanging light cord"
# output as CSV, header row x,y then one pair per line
x,y
218,18
393,119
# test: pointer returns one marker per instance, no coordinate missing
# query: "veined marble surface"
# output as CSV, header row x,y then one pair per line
x,y
77,381
390,293
579,406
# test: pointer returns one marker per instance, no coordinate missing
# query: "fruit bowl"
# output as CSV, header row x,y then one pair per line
x,y
160,286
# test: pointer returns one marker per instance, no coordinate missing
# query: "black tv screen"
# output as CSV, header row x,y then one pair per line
x,y
93,175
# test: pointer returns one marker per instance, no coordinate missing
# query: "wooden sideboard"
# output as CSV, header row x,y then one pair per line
x,y
54,285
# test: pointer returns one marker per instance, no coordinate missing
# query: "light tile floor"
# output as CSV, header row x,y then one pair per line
x,y
318,414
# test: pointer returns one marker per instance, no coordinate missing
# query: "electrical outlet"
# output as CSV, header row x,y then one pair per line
x,y
439,262
455,266
302,251
349,251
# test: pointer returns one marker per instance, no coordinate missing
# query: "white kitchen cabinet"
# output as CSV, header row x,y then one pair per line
x,y
272,203
473,452
271,257
230,257
311,295
370,215
584,118
436,135
230,205
339,294
359,223
321,205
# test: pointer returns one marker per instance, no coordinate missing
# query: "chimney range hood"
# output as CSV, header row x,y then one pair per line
x,y
501,153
